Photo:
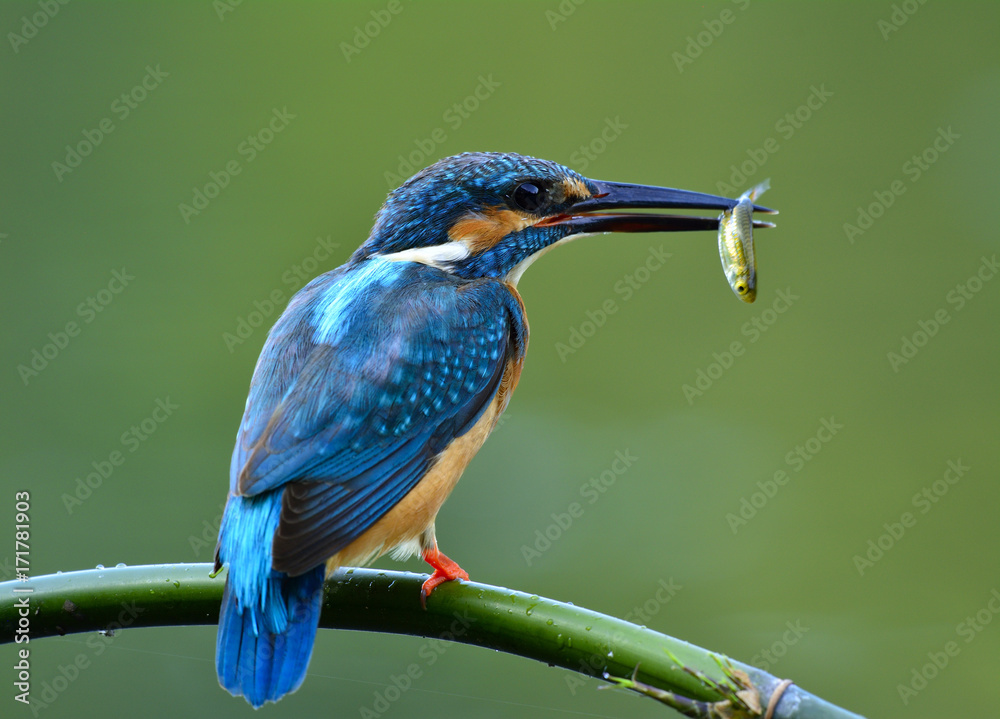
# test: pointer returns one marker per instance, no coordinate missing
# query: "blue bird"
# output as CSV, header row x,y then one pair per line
x,y
379,383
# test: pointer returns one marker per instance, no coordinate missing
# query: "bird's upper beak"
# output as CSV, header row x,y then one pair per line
x,y
587,215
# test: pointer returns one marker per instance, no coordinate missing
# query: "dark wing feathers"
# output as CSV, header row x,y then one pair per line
x,y
318,519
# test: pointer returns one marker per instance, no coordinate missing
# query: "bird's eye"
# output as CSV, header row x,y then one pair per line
x,y
529,197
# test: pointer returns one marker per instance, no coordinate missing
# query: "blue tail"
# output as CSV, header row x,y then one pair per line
x,y
268,622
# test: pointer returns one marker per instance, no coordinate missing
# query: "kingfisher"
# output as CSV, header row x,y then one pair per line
x,y
382,379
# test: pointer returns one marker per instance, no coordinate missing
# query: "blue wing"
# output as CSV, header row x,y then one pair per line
x,y
369,374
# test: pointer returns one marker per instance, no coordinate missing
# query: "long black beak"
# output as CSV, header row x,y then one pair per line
x,y
586,215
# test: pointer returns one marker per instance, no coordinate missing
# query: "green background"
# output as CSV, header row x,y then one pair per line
x,y
560,72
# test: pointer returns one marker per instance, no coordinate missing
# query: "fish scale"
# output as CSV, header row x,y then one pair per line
x,y
736,244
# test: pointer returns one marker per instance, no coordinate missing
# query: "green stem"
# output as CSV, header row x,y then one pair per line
x,y
385,601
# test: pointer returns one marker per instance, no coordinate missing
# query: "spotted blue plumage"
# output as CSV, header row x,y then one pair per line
x,y
368,375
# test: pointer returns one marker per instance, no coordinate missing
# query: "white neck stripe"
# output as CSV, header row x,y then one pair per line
x,y
439,256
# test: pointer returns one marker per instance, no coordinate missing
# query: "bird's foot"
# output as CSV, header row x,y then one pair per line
x,y
445,570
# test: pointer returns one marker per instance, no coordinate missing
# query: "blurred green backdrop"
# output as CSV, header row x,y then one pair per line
x,y
885,110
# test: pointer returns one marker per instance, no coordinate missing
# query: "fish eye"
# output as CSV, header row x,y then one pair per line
x,y
741,288
529,196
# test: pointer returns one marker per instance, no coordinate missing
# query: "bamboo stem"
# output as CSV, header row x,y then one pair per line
x,y
385,601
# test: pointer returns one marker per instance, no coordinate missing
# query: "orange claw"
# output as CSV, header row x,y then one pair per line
x,y
445,570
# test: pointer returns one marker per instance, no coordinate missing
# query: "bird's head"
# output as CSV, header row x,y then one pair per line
x,y
489,214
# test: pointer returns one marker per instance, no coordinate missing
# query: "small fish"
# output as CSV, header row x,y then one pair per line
x,y
736,244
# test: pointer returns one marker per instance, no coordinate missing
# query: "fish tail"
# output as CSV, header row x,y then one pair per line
x,y
759,189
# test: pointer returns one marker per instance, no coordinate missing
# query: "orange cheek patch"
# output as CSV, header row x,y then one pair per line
x,y
481,231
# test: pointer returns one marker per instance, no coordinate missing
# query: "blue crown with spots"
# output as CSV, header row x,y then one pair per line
x,y
422,210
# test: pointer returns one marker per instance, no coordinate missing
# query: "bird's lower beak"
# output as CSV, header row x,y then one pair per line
x,y
588,215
